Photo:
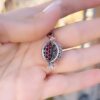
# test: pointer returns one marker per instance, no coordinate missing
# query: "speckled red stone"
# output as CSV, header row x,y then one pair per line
x,y
50,51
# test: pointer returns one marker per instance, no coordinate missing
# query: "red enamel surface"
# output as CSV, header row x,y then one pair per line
x,y
48,51
49,54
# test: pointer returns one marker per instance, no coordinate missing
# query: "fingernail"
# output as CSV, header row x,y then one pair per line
x,y
53,6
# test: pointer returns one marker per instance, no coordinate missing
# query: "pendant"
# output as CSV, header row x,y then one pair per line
x,y
51,52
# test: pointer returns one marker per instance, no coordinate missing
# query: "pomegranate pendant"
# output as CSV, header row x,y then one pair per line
x,y
51,52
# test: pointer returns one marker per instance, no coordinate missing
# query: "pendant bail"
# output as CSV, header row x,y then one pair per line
x,y
51,51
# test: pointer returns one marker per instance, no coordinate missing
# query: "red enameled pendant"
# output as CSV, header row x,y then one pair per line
x,y
51,52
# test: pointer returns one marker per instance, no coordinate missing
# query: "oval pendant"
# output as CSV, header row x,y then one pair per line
x,y
51,52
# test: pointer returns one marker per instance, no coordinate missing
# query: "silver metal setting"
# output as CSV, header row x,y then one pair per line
x,y
51,52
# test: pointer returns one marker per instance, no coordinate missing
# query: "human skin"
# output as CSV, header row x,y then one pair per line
x,y
24,74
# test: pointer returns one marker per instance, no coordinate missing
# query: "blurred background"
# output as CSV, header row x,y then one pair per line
x,y
92,93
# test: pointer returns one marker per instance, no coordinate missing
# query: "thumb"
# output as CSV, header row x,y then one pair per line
x,y
35,28
49,17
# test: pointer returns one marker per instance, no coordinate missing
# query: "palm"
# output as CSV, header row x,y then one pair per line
x,y
22,66
23,74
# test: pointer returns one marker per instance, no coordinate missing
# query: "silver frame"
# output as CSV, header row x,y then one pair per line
x,y
59,53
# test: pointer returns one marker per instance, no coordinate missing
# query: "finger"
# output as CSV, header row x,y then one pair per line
x,y
78,33
65,11
79,59
68,7
65,84
27,12
31,30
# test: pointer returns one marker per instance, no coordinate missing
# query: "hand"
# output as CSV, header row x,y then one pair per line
x,y
23,72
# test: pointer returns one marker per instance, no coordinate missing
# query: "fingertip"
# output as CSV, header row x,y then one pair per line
x,y
48,18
